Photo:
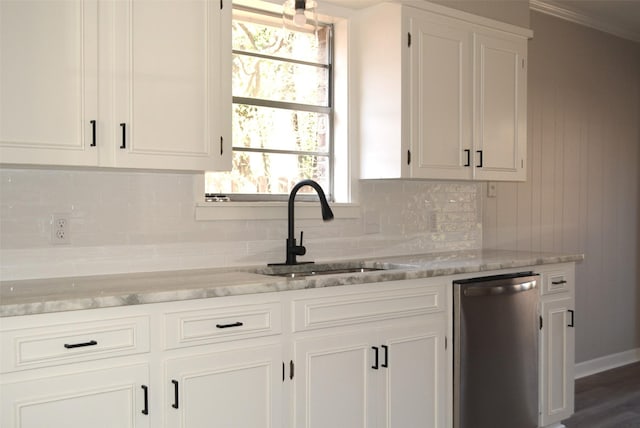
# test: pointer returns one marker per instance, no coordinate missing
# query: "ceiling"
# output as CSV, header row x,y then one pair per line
x,y
619,17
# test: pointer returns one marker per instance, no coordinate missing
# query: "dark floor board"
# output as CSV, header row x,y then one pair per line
x,y
609,399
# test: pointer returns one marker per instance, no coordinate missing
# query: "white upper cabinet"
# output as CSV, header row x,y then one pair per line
x,y
48,82
160,99
170,99
442,94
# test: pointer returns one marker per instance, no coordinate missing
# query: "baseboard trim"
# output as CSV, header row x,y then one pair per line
x,y
607,362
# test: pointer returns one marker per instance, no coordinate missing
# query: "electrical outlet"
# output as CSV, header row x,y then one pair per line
x,y
492,189
60,229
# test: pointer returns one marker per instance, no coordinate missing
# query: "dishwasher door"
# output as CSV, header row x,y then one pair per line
x,y
496,327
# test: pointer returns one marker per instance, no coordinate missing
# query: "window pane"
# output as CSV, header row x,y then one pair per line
x,y
268,173
279,81
265,35
280,129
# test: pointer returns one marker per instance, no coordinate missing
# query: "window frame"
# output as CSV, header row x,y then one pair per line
x,y
329,110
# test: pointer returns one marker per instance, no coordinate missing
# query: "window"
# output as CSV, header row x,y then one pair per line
x,y
282,108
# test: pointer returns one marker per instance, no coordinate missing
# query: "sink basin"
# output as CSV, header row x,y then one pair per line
x,y
312,269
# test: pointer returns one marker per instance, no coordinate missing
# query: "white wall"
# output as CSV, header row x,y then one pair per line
x,y
583,192
132,222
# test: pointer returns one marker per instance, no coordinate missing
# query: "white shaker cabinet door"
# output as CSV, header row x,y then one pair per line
x,y
557,378
500,136
440,98
108,398
414,360
48,82
234,389
333,381
172,84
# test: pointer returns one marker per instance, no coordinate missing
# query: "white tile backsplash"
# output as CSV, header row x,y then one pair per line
x,y
141,221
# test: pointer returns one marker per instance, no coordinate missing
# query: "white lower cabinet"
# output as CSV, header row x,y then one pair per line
x,y
361,356
557,350
105,398
374,377
391,377
333,386
415,379
388,371
234,389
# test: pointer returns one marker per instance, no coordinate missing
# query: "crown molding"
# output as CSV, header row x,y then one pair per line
x,y
558,11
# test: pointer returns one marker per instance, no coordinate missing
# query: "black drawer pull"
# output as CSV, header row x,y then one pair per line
x,y
145,411
80,345
481,162
468,153
93,133
375,353
386,356
235,324
559,282
175,394
571,324
124,135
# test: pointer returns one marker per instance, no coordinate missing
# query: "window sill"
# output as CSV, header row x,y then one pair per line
x,y
212,211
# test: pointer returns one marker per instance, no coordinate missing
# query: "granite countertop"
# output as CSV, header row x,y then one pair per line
x,y
25,297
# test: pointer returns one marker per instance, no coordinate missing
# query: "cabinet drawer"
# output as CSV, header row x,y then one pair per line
x,y
335,311
219,324
73,342
556,282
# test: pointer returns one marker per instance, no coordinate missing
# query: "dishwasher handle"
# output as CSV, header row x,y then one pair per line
x,y
471,290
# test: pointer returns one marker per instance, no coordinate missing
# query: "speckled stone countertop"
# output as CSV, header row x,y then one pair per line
x,y
37,296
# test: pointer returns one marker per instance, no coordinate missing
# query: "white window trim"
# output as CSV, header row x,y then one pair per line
x,y
345,148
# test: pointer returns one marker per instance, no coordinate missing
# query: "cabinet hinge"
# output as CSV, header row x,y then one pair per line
x,y
409,39
408,157
221,146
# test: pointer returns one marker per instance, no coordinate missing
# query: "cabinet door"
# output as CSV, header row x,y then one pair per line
x,y
333,382
440,98
235,389
415,376
172,84
98,399
557,377
500,111
48,81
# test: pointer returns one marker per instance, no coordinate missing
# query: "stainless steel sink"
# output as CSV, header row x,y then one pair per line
x,y
313,269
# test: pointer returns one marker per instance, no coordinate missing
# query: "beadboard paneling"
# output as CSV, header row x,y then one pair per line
x,y
583,192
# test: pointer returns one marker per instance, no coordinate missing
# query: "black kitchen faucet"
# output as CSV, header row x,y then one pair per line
x,y
294,250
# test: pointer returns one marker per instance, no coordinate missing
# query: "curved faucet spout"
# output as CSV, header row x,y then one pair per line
x,y
294,250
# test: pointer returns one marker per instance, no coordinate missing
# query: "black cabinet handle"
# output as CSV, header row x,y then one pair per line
x,y
468,153
145,411
571,324
124,135
235,324
481,162
80,345
386,356
375,353
221,142
93,133
291,368
175,394
559,282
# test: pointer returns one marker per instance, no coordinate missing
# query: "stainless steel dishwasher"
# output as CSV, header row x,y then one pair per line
x,y
496,327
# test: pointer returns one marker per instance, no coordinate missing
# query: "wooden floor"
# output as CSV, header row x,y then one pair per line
x,y
609,399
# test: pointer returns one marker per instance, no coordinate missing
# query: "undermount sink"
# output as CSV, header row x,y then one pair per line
x,y
312,269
